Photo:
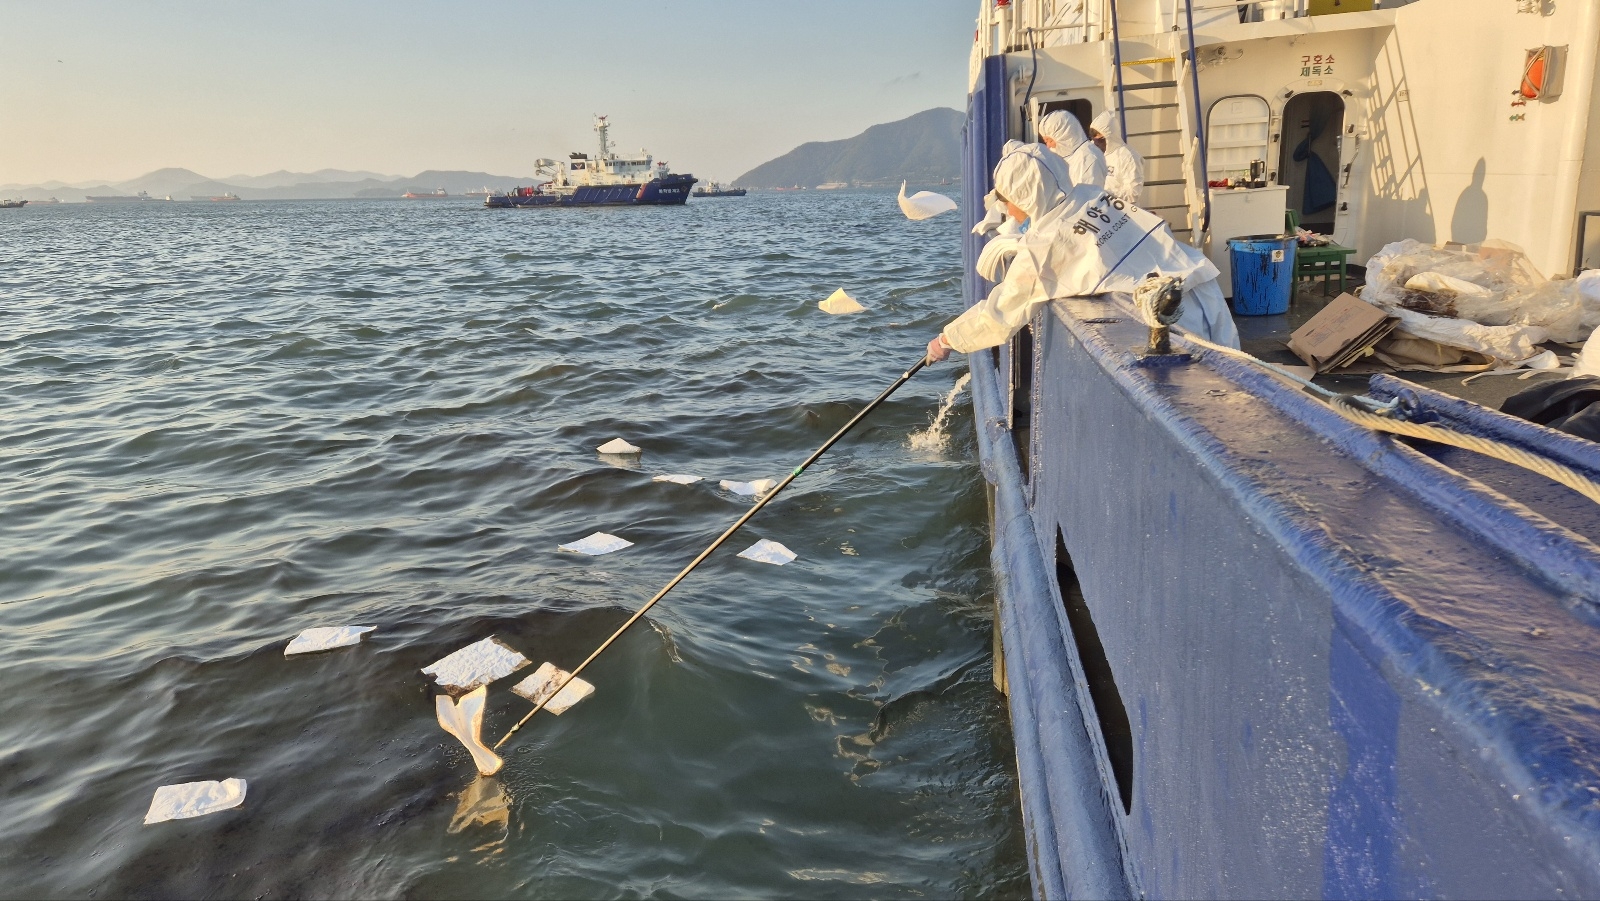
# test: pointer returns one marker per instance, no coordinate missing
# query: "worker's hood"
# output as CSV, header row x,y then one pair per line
x,y
1106,124
1065,129
1027,178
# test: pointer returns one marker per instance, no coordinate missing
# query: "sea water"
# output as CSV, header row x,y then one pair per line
x,y
228,422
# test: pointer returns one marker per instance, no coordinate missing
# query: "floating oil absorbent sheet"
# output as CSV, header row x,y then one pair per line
x,y
924,204
326,639
749,489
544,680
765,551
677,479
597,544
476,664
840,303
464,720
619,447
194,799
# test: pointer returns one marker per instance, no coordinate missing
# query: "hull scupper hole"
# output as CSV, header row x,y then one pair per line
x,y
1110,712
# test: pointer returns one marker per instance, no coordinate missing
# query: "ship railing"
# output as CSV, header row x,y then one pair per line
x,y
1022,25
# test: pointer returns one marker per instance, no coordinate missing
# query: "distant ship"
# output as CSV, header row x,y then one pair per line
x,y
228,196
49,200
118,198
483,193
712,189
435,194
832,186
605,180
12,204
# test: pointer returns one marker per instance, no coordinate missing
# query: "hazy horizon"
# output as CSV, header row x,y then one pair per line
x,y
103,93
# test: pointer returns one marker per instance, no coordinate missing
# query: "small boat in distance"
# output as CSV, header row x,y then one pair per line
x,y
435,194
117,198
12,204
228,196
712,189
604,180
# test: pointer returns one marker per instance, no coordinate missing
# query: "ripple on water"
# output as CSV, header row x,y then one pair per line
x,y
227,423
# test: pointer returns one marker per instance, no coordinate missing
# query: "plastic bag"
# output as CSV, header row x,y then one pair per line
x,y
1508,343
1501,304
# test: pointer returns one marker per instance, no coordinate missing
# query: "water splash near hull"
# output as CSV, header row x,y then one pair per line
x,y
934,438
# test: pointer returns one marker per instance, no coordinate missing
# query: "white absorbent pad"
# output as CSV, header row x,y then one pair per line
x,y
544,680
840,303
618,446
678,479
464,720
476,664
194,799
924,204
750,489
765,551
597,544
326,638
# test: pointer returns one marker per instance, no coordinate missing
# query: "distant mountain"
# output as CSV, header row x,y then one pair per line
x,y
285,179
923,148
325,184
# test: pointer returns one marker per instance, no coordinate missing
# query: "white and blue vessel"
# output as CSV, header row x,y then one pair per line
x,y
605,179
1252,648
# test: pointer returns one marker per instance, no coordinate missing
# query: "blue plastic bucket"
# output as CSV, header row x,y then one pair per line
x,y
1263,274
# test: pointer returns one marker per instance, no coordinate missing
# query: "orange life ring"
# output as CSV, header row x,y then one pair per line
x,y
1536,74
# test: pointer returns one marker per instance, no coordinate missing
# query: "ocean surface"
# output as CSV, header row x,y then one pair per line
x,y
228,422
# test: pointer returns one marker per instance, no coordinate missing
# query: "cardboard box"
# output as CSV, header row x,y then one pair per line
x,y
1342,333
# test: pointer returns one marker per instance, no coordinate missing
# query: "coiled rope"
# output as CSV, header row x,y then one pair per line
x,y
1351,408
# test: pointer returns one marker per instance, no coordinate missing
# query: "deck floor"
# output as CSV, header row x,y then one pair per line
x,y
1266,337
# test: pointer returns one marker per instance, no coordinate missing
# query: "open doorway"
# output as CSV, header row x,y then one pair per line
x,y
1079,107
1309,161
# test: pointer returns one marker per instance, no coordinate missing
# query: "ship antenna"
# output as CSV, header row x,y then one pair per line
x,y
601,127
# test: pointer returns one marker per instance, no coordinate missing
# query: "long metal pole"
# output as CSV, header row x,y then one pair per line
x,y
1116,63
716,544
1199,126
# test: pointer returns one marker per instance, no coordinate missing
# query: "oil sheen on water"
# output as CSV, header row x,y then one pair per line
x,y
226,423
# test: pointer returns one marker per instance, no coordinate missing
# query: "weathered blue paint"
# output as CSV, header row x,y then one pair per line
x,y
1352,668
1263,274
668,190
1358,853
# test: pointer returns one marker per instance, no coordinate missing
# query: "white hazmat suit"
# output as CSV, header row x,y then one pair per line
x,y
1086,165
1003,246
1124,167
1080,245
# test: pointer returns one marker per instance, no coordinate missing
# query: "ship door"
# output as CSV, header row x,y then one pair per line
x,y
1079,107
1310,157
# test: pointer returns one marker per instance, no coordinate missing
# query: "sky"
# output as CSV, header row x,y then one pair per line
x,y
107,91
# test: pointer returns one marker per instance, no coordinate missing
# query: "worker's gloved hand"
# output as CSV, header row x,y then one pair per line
x,y
938,350
995,215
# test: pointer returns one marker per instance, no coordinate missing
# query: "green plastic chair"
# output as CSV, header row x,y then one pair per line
x,y
1326,262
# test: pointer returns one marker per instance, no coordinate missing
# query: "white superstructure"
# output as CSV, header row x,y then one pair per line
x,y
603,168
1409,115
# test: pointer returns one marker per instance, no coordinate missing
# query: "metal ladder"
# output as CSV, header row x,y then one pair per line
x,y
1152,126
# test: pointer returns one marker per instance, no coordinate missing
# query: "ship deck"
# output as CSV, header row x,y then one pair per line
x,y
1266,337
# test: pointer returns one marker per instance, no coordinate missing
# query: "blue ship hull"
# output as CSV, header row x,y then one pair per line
x,y
672,190
1251,650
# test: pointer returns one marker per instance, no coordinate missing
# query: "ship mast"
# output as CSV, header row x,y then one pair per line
x,y
601,127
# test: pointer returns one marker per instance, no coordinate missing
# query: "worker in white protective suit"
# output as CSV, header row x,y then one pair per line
x,y
1009,232
1063,133
1124,166
996,220
1087,244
